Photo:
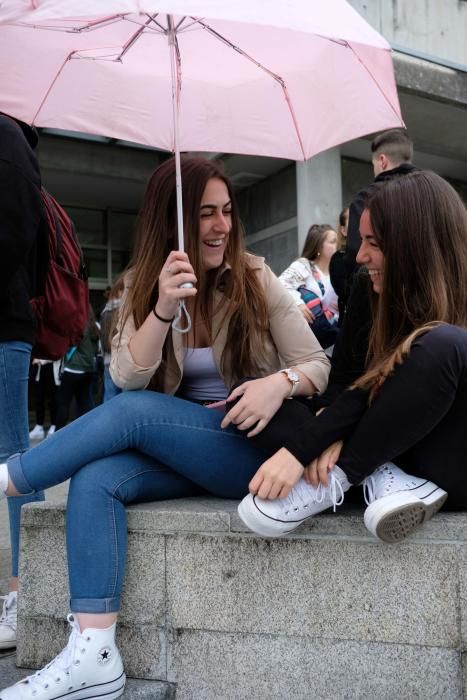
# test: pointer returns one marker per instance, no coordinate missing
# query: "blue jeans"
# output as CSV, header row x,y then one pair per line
x,y
110,388
141,446
14,425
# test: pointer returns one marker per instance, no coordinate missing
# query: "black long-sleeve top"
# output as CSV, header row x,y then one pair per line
x,y
22,232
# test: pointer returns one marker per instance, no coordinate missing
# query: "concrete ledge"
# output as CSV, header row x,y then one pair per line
x,y
220,613
423,77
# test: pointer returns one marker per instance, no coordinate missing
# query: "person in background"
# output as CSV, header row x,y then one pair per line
x,y
169,441
337,263
45,378
23,245
79,371
400,429
309,283
108,323
104,299
391,156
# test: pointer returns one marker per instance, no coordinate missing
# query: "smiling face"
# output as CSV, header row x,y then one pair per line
x,y
370,254
215,223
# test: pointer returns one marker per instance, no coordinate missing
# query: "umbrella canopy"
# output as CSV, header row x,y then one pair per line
x,y
284,78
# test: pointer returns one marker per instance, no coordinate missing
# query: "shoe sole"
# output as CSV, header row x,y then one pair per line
x,y
106,691
392,518
8,645
249,514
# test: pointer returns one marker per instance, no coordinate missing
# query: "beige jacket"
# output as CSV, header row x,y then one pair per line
x,y
290,343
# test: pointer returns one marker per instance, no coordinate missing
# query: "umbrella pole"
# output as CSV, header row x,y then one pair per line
x,y
176,325
175,112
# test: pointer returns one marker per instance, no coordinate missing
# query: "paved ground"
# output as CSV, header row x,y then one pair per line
x,y
9,674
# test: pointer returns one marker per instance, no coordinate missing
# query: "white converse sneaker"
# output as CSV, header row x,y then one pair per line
x,y
51,430
277,518
399,503
37,433
8,621
89,667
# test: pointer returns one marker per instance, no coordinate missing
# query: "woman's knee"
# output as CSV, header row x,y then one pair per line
x,y
95,477
134,404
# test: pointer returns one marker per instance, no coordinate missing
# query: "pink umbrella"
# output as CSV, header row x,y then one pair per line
x,y
263,77
283,78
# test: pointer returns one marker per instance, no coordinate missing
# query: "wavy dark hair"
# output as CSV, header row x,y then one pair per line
x,y
420,223
243,301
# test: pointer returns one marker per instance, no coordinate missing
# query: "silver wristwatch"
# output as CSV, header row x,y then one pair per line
x,y
293,378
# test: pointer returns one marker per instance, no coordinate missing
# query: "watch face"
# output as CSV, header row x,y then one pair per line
x,y
293,376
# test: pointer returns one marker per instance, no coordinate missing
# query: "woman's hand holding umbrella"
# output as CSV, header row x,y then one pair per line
x,y
175,274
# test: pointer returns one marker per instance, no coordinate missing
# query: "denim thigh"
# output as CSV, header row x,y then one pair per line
x,y
179,434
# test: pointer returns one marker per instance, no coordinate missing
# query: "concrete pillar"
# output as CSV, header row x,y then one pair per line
x,y
319,192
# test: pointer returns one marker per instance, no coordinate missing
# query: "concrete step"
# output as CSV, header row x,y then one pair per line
x,y
326,612
134,689
148,690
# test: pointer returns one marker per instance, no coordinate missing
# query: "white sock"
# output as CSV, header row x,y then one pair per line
x,y
3,479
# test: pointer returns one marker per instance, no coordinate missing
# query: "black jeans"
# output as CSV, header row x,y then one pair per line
x,y
46,393
418,420
78,386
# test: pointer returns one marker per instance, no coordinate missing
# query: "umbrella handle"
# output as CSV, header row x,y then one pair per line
x,y
182,310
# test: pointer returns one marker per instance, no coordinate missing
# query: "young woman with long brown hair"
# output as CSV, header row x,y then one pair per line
x,y
152,445
308,281
410,406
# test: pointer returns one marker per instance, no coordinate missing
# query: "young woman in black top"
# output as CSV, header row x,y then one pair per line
x,y
409,408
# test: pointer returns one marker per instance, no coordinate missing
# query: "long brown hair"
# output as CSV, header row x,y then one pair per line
x,y
420,224
314,240
343,224
243,301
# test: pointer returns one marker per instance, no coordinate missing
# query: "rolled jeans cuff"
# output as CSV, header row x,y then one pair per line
x,y
15,472
95,605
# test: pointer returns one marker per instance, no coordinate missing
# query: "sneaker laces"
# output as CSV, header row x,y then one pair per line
x,y
61,663
303,494
8,616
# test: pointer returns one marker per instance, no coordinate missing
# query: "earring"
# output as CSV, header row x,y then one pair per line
x,y
318,254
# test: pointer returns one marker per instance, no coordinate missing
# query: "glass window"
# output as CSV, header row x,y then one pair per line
x,y
121,229
120,259
100,232
96,262
89,224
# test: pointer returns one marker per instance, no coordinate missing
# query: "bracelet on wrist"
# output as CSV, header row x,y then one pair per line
x,y
161,318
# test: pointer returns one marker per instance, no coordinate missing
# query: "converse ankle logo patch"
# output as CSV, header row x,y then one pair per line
x,y
104,656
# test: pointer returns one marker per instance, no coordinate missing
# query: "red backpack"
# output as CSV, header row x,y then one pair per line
x,y
62,310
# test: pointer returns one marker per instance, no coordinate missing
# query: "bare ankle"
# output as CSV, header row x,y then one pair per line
x,y
98,621
11,490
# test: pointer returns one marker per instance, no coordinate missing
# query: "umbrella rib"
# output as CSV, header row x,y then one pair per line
x,y
134,38
50,88
259,65
98,23
158,24
233,46
373,79
89,27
